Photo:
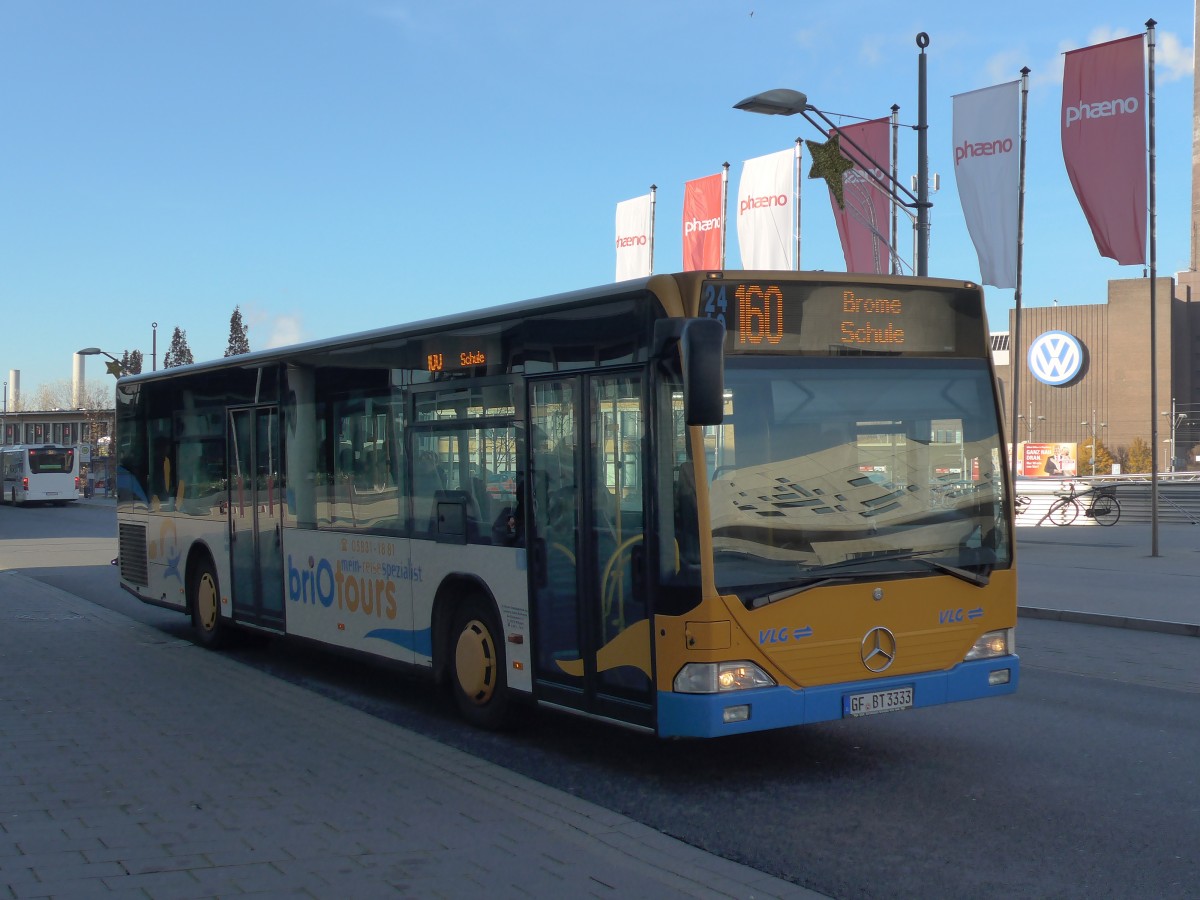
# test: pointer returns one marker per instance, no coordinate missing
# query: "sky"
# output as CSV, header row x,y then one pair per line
x,y
334,166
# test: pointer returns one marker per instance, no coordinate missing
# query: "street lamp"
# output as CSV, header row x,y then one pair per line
x,y
1092,426
114,367
1176,419
787,102
1030,421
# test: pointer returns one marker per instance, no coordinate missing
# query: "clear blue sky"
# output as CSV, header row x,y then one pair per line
x,y
333,166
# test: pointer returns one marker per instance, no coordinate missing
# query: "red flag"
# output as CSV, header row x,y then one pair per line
x,y
864,223
1104,143
703,224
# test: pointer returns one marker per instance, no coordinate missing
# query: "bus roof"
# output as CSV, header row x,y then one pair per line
x,y
667,284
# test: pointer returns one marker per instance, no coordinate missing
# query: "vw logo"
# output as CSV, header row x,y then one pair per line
x,y
878,649
1055,358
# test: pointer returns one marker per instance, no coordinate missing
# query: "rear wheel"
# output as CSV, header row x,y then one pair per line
x,y
205,598
1063,512
477,655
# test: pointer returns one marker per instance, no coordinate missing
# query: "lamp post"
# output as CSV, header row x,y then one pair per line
x,y
1176,419
1092,426
787,102
4,418
153,346
114,367
1030,421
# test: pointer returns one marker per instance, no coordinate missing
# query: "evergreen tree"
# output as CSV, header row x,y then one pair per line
x,y
238,342
179,353
131,362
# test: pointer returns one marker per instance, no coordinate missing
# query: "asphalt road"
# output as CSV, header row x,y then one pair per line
x,y
1085,783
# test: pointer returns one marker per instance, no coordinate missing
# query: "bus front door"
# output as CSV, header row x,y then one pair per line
x,y
255,516
592,628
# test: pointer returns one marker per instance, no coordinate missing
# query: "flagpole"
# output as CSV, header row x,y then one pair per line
x,y
1150,23
653,196
895,174
724,209
797,195
1015,349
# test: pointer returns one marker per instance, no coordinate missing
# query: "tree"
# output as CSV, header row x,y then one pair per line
x,y
53,395
131,362
179,353
238,342
1138,458
1104,459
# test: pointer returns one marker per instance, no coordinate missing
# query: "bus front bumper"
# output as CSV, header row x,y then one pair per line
x,y
761,709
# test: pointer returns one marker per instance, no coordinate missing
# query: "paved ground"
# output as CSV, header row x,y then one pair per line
x,y
133,764
137,765
1109,575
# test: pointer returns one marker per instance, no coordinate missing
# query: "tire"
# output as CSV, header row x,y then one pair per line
x,y
204,598
478,674
1106,511
1063,512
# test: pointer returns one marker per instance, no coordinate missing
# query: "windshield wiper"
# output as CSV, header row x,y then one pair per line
x,y
819,575
794,589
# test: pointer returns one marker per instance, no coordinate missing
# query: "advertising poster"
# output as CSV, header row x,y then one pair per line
x,y
1058,460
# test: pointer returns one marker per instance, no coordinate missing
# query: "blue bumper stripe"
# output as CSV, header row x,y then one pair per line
x,y
701,715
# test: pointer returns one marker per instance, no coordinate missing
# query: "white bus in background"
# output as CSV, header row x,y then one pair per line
x,y
46,473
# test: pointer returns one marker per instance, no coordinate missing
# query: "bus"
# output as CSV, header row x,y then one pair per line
x,y
45,473
696,504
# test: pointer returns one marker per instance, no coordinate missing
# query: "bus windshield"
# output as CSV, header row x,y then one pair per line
x,y
832,469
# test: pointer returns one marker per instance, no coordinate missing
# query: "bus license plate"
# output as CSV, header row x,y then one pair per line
x,y
877,702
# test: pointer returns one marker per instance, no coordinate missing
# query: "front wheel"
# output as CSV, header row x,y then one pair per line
x,y
1106,511
1063,512
479,679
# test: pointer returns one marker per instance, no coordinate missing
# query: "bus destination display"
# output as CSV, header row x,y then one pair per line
x,y
797,318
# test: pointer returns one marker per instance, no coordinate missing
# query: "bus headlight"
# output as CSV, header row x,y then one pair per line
x,y
714,678
994,643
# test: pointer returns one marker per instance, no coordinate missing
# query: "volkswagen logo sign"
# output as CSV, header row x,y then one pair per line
x,y
1055,358
878,649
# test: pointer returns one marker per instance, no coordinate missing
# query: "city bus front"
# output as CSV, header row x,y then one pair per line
x,y
854,540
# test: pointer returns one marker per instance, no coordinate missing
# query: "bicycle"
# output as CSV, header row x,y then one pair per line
x,y
1102,506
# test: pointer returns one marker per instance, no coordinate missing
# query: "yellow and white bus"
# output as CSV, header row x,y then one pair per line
x,y
695,504
42,473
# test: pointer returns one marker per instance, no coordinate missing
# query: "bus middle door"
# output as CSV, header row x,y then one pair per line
x,y
592,629
255,516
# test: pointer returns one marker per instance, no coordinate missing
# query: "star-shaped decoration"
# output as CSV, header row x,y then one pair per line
x,y
113,367
828,163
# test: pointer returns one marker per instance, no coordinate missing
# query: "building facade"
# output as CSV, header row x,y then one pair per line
x,y
1086,370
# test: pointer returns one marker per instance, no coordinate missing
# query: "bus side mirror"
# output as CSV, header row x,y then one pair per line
x,y
701,348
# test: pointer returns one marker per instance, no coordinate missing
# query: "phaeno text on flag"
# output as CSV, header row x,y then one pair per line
x,y
1101,110
969,150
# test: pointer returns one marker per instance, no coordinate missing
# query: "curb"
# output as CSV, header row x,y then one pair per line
x,y
1109,621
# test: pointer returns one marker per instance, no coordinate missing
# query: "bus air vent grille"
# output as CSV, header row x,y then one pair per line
x,y
134,568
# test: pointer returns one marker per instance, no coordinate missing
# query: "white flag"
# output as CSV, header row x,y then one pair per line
x,y
635,237
765,199
987,171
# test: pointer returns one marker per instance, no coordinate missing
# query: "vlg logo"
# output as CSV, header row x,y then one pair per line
x,y
1055,358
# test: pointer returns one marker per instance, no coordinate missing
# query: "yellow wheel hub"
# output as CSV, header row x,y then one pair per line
x,y
207,603
475,662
